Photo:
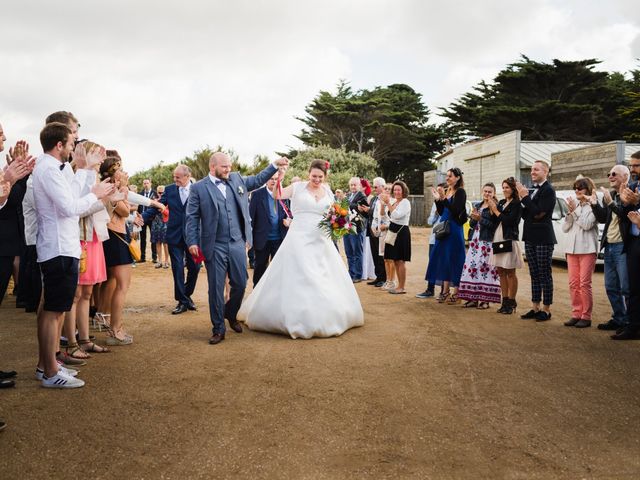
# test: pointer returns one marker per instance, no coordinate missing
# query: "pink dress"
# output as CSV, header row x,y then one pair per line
x,y
96,269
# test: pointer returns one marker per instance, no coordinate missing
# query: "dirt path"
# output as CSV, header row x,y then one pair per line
x,y
421,391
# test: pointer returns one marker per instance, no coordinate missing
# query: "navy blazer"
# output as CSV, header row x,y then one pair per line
x,y
177,214
202,209
537,213
260,217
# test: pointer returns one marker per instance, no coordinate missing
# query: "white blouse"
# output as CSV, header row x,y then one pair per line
x,y
402,213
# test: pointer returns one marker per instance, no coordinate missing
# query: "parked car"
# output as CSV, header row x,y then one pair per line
x,y
559,212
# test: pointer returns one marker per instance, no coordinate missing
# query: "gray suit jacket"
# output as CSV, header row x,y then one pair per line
x,y
202,210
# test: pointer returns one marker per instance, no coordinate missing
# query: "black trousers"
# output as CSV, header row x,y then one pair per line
x,y
181,258
378,260
262,258
143,243
633,268
30,286
6,268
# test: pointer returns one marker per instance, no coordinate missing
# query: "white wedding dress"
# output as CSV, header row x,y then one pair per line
x,y
306,291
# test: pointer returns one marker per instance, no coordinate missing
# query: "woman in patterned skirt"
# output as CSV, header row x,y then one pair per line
x,y
480,282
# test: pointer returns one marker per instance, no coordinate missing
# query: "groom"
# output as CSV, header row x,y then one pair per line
x,y
218,221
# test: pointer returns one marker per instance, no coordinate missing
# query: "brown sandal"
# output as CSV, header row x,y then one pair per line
x,y
89,346
74,351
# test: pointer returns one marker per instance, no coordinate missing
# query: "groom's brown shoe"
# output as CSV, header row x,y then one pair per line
x,y
235,326
216,338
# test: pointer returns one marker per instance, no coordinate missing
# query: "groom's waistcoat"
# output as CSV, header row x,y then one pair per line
x,y
230,226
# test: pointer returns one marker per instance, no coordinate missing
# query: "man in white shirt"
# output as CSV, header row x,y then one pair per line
x,y
58,205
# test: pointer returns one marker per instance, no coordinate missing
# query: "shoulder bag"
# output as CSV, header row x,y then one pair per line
x,y
392,233
442,230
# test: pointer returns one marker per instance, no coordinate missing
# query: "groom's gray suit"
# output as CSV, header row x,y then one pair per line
x,y
222,227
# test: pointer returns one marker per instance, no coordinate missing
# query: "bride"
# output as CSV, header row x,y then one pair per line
x,y
306,291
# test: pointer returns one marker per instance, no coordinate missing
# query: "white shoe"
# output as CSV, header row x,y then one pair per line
x,y
67,371
61,380
388,286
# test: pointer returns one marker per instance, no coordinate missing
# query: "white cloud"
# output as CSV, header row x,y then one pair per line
x,y
156,80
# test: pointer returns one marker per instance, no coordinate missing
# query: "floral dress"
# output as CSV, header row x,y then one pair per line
x,y
480,281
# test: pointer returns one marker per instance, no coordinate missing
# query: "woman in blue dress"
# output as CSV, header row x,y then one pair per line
x,y
446,260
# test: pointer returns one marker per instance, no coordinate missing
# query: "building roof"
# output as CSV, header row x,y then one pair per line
x,y
530,151
629,149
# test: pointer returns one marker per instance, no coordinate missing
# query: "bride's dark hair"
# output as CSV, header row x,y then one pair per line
x,y
319,164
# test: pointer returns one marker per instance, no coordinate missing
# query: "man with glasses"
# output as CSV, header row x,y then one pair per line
x,y
630,196
616,281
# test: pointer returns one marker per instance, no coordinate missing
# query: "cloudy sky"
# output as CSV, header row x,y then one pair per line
x,y
159,79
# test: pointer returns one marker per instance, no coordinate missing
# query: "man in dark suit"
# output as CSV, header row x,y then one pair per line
x,y
218,222
269,223
175,197
539,239
374,242
150,193
353,243
630,197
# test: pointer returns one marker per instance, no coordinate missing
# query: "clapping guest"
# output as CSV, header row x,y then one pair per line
x,y
581,228
447,260
353,243
58,205
373,234
381,223
159,234
631,199
433,219
539,239
480,282
116,251
506,214
400,250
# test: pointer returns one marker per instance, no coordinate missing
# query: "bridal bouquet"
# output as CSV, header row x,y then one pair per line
x,y
338,221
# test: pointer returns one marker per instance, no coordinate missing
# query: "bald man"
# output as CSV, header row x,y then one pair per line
x,y
218,223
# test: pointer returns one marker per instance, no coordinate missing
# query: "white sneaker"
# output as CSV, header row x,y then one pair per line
x,y
61,380
67,371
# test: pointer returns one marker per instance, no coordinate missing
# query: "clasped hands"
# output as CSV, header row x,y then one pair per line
x,y
88,160
438,193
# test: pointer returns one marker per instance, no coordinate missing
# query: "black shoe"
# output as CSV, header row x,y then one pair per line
x,y
9,374
572,322
180,308
20,304
235,326
583,324
191,305
142,260
372,282
542,316
626,333
379,284
610,325
7,383
529,315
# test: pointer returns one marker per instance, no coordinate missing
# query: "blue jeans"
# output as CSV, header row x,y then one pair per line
x,y
353,251
616,281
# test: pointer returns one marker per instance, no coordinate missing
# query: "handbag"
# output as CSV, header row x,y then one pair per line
x,y
442,230
134,248
390,238
83,252
505,246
